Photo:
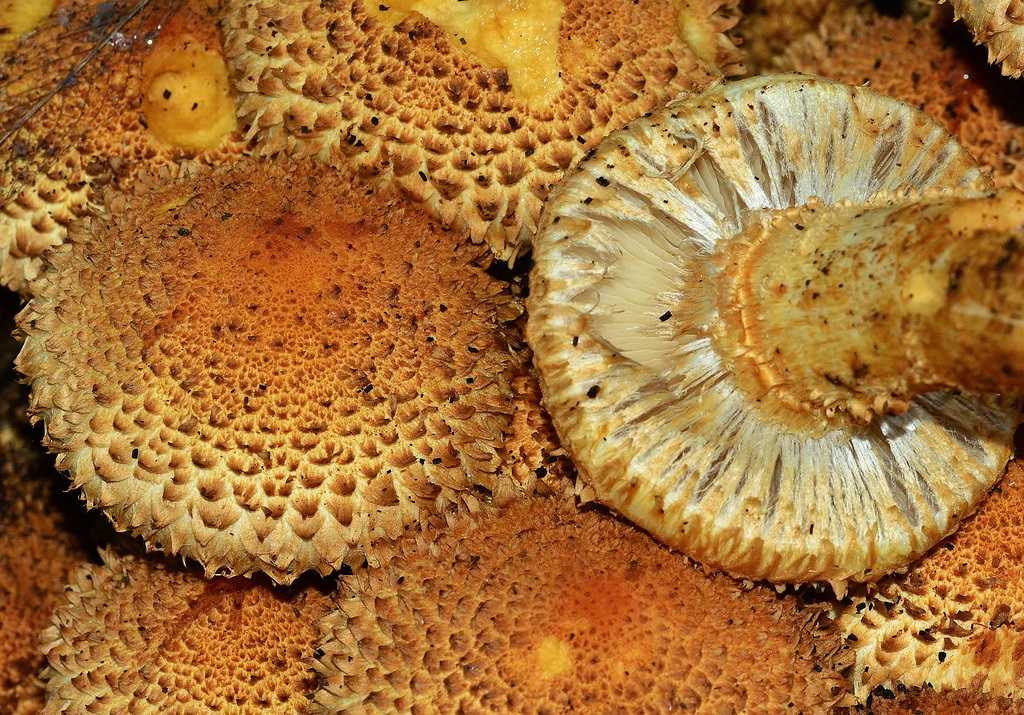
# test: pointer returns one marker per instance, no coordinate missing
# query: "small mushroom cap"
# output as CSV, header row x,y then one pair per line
x,y
546,608
929,65
110,123
999,25
954,620
429,108
141,636
264,369
621,314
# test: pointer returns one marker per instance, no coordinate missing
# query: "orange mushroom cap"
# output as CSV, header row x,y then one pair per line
x,y
473,109
151,92
547,608
141,636
265,369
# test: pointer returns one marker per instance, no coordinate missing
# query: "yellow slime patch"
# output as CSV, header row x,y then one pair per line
x,y
186,95
20,16
520,36
553,657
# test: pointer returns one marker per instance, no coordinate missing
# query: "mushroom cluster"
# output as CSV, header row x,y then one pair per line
x,y
474,110
75,119
770,343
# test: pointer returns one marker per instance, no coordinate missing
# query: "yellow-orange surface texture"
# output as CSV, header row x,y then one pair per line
x,y
545,608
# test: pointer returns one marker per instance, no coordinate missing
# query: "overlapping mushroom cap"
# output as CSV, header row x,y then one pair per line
x,y
954,620
999,25
931,65
142,636
545,608
99,92
474,109
716,428
265,369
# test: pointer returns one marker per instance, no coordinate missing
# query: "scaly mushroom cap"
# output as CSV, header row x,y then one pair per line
x,y
999,25
707,439
931,66
141,636
545,608
38,549
955,619
769,26
39,544
474,110
153,91
265,368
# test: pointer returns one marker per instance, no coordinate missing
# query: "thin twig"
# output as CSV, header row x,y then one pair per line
x,y
73,74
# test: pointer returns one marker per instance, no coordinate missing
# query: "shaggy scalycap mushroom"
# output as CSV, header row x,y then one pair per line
x,y
152,91
264,369
999,25
954,620
141,636
474,109
736,375
547,609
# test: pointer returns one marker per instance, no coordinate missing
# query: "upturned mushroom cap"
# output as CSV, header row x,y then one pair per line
x,y
545,608
141,636
265,369
931,65
712,439
474,110
954,620
999,25
151,93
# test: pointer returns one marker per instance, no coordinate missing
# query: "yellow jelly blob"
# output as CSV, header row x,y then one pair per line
x,y
520,36
186,95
